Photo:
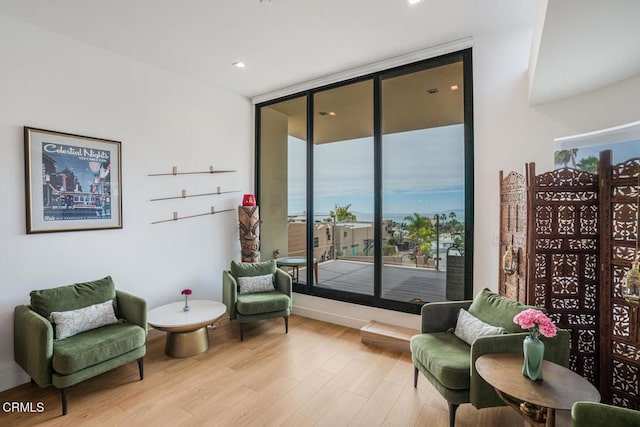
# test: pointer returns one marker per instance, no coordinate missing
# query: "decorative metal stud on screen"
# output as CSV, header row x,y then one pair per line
x,y
513,231
619,322
563,243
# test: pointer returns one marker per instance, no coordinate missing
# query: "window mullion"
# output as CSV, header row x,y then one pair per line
x,y
377,187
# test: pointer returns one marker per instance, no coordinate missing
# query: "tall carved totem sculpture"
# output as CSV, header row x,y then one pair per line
x,y
249,220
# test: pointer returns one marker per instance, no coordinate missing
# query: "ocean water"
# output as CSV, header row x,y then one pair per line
x,y
397,217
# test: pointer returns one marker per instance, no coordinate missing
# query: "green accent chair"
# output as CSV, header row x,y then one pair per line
x,y
65,362
449,363
250,307
592,414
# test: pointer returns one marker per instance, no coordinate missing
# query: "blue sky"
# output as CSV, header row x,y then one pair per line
x,y
423,172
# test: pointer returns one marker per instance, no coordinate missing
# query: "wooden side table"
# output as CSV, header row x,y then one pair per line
x,y
536,401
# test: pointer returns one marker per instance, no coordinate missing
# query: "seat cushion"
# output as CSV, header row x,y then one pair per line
x,y
263,302
95,346
72,297
447,357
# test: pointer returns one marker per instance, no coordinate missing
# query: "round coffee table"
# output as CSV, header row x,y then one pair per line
x,y
537,401
186,330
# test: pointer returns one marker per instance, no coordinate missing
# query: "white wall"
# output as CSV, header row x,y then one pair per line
x,y
509,132
51,82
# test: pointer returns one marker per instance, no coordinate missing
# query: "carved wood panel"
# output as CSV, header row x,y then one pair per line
x,y
563,236
513,231
621,333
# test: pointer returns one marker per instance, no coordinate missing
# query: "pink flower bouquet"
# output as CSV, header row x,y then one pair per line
x,y
186,292
536,322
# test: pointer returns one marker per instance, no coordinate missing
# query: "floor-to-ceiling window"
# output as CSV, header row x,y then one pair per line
x,y
370,183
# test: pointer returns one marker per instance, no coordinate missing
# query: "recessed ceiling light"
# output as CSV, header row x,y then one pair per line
x,y
454,87
331,113
413,2
239,64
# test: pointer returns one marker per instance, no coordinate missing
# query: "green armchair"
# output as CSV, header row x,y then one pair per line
x,y
449,362
592,414
249,306
73,349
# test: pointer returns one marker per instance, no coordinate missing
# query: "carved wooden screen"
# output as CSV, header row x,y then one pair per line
x,y
563,264
513,231
620,340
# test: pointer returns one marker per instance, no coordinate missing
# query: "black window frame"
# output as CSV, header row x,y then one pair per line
x,y
375,300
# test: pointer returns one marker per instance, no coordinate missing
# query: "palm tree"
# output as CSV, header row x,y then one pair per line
x,y
342,213
421,231
565,157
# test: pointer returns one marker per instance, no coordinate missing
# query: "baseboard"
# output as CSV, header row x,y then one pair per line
x,y
13,379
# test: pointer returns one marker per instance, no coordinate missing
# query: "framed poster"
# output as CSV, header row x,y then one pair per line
x,y
72,182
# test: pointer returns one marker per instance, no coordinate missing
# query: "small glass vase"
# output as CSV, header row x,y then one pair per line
x,y
533,350
186,303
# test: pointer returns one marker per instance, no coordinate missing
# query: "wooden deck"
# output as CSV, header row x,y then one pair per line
x,y
398,283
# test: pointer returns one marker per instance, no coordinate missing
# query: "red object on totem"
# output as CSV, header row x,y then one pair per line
x,y
248,200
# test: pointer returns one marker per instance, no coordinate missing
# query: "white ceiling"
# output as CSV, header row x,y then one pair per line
x,y
286,42
584,45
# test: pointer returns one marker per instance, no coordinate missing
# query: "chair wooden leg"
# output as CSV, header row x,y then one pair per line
x,y
141,367
286,324
415,377
452,414
63,396
241,333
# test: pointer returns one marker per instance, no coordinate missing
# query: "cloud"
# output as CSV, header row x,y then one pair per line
x,y
421,163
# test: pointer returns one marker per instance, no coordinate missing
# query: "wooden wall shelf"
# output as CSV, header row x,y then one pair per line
x,y
174,171
184,195
178,218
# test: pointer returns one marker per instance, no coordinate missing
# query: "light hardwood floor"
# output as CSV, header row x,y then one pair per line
x,y
319,374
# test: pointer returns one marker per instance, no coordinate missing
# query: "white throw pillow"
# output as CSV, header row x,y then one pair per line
x,y
469,327
253,284
69,323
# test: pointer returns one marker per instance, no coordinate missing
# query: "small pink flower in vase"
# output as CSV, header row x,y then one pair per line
x,y
533,349
536,322
186,293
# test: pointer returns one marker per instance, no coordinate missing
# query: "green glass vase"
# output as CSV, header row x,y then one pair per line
x,y
533,350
